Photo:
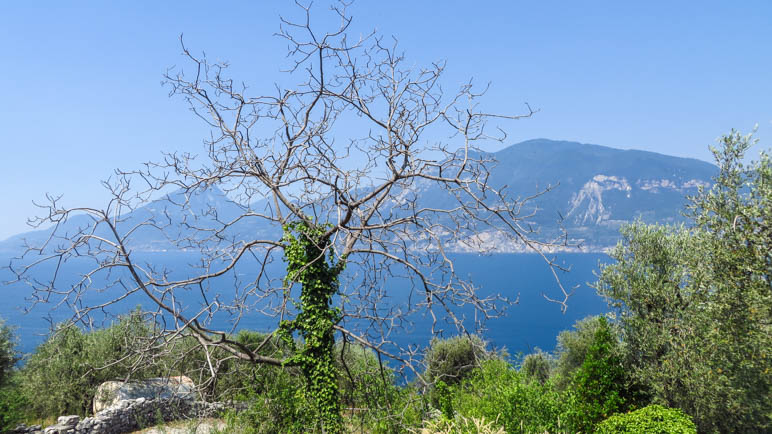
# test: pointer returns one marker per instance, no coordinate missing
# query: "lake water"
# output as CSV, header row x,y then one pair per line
x,y
534,322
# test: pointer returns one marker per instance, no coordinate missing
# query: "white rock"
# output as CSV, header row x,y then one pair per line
x,y
68,420
112,393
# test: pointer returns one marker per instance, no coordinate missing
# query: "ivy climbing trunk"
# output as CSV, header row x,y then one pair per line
x,y
311,263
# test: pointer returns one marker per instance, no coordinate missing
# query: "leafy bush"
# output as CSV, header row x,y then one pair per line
x,y
363,381
600,384
279,402
403,408
450,360
276,395
442,399
13,405
278,405
572,346
62,375
654,419
537,366
235,379
498,392
8,355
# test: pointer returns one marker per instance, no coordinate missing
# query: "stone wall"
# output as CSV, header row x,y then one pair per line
x,y
131,415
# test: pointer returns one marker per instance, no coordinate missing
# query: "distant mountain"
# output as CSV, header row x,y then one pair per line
x,y
598,189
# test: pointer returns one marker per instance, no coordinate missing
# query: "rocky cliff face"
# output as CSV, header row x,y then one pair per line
x,y
586,205
600,188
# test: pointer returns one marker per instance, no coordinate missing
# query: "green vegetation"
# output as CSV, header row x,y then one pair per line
x,y
653,419
62,375
497,391
537,366
492,396
8,357
572,347
450,360
283,406
12,402
599,385
234,379
305,252
695,304
363,379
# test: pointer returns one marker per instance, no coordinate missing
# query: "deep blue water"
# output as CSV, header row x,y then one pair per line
x,y
533,322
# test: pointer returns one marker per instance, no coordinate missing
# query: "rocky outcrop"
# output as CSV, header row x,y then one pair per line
x,y
131,415
587,205
111,392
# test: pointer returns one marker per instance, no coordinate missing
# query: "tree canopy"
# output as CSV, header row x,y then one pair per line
x,y
695,303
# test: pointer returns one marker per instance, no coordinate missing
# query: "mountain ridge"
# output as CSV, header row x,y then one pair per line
x,y
596,190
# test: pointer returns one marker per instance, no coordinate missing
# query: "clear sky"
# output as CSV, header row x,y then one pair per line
x,y
81,92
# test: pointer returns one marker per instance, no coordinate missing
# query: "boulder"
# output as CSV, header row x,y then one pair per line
x,y
111,393
68,420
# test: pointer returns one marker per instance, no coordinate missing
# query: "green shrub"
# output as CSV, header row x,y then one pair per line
x,y
459,425
235,379
654,419
278,404
363,381
537,366
8,355
403,408
450,360
572,346
13,404
62,375
443,399
276,396
600,384
498,392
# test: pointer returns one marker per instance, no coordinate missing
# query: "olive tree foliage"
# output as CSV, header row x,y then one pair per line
x,y
62,375
8,355
537,366
695,303
453,359
333,166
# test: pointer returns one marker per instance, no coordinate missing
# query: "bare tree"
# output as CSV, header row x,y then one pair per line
x,y
337,170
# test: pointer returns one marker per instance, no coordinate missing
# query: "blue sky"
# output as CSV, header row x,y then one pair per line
x,y
82,94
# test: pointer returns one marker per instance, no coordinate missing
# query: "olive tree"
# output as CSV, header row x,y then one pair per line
x,y
695,303
8,355
363,171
